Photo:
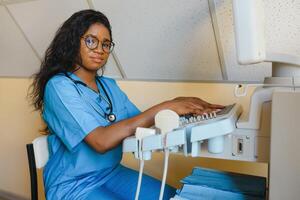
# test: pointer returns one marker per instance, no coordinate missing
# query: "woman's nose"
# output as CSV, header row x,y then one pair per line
x,y
99,49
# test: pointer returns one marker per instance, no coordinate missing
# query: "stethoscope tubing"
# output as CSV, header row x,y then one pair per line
x,y
110,116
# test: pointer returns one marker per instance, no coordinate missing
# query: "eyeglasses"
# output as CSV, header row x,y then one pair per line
x,y
92,43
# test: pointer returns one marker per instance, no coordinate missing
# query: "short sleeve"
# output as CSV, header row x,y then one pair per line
x,y
132,109
66,113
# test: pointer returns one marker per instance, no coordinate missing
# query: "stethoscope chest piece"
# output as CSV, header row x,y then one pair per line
x,y
111,117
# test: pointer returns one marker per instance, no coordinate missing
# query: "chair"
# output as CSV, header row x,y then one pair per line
x,y
38,155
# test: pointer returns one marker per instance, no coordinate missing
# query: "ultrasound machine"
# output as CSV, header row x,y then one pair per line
x,y
268,133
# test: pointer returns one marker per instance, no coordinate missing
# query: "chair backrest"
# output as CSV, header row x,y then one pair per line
x,y
38,155
41,152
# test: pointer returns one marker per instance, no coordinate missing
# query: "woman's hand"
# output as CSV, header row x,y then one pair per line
x,y
191,105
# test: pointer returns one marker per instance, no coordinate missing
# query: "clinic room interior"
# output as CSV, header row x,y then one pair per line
x,y
210,49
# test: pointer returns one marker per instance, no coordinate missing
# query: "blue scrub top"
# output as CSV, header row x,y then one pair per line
x,y
71,112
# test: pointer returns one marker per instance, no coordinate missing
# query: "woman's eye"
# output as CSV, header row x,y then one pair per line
x,y
90,41
106,45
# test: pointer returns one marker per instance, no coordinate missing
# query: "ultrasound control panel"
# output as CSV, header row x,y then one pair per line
x,y
187,120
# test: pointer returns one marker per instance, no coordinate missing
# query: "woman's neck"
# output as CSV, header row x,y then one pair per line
x,y
86,76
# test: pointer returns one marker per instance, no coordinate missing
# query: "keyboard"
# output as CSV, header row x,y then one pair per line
x,y
188,120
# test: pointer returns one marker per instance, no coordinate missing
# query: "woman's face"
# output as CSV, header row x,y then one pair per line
x,y
94,47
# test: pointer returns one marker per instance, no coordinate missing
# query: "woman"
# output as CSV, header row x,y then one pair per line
x,y
88,116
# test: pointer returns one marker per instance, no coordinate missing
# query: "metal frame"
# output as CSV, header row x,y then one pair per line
x,y
32,170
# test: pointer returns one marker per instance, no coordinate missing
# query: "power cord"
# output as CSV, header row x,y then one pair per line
x,y
163,182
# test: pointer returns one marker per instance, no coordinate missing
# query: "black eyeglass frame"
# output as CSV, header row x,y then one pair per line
x,y
112,44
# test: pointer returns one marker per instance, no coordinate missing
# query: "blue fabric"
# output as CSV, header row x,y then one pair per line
x,y
122,186
71,112
208,184
197,192
232,182
176,197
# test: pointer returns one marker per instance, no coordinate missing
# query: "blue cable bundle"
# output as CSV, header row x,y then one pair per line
x,y
210,184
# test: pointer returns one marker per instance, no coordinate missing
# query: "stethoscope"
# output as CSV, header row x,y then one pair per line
x,y
110,116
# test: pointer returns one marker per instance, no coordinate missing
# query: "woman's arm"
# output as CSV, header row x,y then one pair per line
x,y
103,139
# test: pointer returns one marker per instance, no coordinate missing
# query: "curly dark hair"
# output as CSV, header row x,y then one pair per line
x,y
63,52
